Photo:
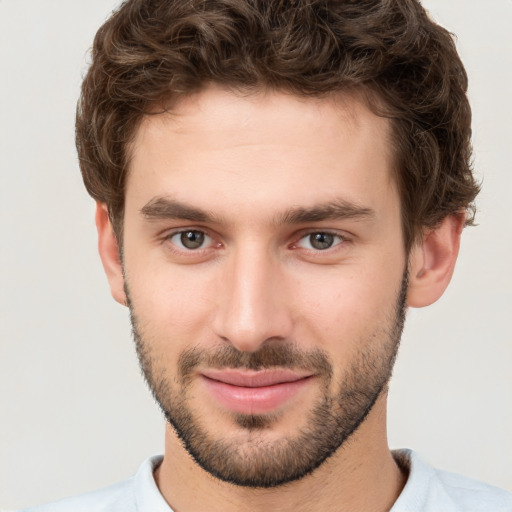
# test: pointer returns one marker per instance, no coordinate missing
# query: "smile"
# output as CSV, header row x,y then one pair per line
x,y
254,392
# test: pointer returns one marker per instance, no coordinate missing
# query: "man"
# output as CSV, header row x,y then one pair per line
x,y
275,183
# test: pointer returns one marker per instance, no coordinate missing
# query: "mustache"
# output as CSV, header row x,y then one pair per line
x,y
272,354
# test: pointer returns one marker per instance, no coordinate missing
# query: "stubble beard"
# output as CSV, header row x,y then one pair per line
x,y
255,460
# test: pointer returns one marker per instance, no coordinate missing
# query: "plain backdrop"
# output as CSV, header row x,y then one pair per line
x,y
74,412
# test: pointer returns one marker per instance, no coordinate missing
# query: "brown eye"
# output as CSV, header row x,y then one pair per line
x,y
189,239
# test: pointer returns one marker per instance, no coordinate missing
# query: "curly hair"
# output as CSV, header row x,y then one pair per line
x,y
152,52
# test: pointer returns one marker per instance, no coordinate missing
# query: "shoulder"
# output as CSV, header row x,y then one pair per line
x,y
116,498
138,493
429,489
480,496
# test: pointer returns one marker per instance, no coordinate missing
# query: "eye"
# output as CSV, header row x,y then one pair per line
x,y
190,239
319,241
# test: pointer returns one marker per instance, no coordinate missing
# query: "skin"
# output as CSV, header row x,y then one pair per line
x,y
249,160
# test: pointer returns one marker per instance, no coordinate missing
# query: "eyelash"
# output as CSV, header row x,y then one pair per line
x,y
181,232
342,239
305,236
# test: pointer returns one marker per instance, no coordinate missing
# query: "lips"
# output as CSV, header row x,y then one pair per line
x,y
254,392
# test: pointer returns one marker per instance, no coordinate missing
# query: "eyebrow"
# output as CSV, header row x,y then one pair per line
x,y
162,208
338,209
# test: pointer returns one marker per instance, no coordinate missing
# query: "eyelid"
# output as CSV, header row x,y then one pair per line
x,y
307,232
216,243
168,235
169,232
344,238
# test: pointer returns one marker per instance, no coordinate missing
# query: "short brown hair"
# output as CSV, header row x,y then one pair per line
x,y
153,51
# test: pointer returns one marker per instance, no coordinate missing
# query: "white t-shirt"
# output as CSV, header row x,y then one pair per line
x,y
427,490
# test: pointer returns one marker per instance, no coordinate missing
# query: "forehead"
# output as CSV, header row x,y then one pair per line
x,y
224,149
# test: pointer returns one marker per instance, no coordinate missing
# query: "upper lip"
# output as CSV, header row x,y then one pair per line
x,y
254,378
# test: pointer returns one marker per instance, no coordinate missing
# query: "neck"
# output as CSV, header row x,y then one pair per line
x,y
361,476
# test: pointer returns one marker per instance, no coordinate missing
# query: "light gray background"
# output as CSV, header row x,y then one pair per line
x,y
74,412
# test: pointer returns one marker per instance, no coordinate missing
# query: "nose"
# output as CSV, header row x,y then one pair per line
x,y
252,303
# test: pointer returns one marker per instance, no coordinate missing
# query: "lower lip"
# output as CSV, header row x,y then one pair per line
x,y
259,400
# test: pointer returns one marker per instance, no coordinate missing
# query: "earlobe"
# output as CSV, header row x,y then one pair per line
x,y
109,253
432,261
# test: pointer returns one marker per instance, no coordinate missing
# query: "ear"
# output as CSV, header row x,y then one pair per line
x,y
431,262
109,253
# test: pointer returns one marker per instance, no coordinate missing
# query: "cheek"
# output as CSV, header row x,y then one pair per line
x,y
347,309
172,306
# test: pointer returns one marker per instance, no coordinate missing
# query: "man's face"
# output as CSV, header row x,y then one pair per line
x,y
265,270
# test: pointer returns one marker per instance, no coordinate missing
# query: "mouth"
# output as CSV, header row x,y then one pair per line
x,y
254,392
